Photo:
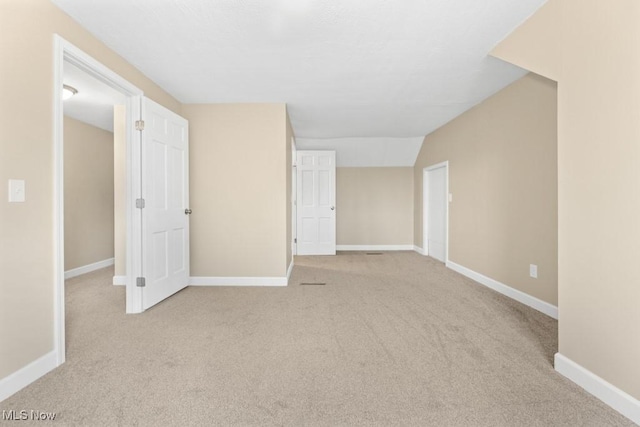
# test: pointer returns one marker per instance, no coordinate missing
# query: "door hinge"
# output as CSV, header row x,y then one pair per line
x,y
141,282
295,240
140,203
139,124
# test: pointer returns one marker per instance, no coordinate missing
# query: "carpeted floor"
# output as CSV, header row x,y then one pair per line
x,y
392,339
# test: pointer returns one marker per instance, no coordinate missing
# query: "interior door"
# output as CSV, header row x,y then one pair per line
x,y
165,191
437,212
316,202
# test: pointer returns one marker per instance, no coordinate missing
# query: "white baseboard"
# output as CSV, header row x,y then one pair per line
x,y
290,269
420,250
238,281
120,280
526,299
611,395
25,376
88,268
242,281
374,247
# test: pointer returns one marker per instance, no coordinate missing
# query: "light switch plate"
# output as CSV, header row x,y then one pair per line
x,y
16,190
533,271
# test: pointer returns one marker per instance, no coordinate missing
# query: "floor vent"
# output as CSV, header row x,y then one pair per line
x,y
312,284
374,253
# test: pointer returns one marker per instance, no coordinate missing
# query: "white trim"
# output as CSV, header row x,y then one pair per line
x,y
611,395
238,281
374,247
133,190
425,210
315,247
119,280
419,250
86,63
28,374
290,269
65,51
74,272
58,201
294,195
526,299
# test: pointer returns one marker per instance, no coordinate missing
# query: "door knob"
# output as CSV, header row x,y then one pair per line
x,y
333,207
187,211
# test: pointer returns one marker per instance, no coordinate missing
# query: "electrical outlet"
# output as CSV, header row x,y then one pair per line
x,y
533,271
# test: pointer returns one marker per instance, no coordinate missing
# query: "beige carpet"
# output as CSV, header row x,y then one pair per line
x,y
394,339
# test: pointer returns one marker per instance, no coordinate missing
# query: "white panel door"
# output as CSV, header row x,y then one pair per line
x,y
316,203
165,190
437,212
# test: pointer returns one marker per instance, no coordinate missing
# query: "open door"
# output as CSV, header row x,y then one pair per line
x,y
164,204
316,202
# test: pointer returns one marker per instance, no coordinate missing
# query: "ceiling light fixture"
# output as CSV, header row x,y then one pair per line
x,y
68,92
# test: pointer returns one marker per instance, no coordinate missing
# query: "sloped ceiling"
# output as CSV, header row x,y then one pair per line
x,y
374,69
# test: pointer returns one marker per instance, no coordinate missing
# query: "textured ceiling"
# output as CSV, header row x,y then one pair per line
x,y
346,69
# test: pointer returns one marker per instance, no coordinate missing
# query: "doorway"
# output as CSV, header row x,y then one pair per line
x,y
316,202
436,211
66,53
294,195
93,174
157,226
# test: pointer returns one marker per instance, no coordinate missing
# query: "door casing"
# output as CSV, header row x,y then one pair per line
x,y
301,168
425,208
294,196
65,51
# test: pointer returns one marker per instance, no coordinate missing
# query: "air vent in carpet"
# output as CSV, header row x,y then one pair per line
x,y
312,284
374,253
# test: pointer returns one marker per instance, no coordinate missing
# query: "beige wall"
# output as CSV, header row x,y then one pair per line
x,y
374,206
543,53
119,189
26,152
502,175
88,194
599,176
238,189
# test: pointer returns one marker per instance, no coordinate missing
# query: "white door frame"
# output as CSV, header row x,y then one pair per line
x,y
425,208
300,187
65,51
294,198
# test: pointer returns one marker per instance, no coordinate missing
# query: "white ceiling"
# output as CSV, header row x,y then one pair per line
x,y
93,104
374,69
367,152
